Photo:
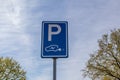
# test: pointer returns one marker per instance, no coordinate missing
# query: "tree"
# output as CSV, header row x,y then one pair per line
x,y
11,70
106,78
106,60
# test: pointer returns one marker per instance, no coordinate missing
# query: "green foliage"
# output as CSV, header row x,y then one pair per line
x,y
106,78
106,60
11,70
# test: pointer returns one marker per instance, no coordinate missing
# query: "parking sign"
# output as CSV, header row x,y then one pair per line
x,y
54,40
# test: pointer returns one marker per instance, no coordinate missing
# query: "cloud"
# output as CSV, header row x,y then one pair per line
x,y
20,36
88,21
14,41
20,28
42,77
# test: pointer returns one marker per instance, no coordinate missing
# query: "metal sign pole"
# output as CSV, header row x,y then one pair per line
x,y
54,68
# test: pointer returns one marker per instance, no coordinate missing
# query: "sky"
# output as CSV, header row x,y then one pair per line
x,y
20,33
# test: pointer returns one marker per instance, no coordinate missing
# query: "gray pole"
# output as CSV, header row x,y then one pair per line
x,y
54,68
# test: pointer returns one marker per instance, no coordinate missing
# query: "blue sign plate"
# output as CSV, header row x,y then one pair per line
x,y
54,40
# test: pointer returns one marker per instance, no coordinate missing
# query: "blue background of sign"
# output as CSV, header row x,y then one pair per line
x,y
60,39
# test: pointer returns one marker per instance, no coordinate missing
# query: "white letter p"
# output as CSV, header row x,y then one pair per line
x,y
51,33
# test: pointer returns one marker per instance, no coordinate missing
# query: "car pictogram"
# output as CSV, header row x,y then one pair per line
x,y
52,48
